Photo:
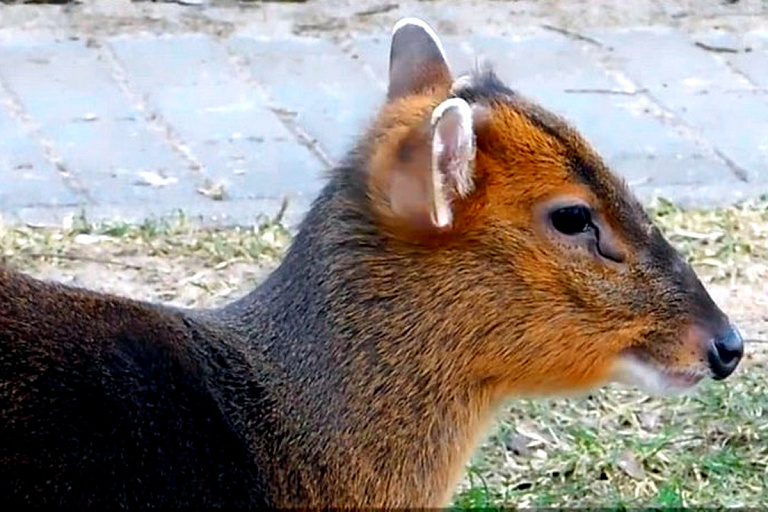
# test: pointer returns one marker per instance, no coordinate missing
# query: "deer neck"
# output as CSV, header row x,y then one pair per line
x,y
398,414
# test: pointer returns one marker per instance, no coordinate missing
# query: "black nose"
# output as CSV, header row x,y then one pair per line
x,y
725,352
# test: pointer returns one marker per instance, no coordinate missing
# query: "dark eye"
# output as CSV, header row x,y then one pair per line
x,y
571,220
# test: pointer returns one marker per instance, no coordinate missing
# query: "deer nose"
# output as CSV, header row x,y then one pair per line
x,y
725,352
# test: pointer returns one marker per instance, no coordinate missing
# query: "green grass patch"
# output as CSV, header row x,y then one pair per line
x,y
620,449
173,236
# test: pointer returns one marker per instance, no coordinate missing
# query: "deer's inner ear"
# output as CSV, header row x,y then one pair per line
x,y
419,178
417,63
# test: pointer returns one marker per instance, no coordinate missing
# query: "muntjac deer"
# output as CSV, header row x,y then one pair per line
x,y
471,247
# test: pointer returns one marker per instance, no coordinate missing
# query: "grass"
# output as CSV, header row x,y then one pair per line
x,y
170,260
618,448
171,236
723,244
615,448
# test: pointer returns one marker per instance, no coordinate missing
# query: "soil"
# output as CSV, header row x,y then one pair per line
x,y
344,18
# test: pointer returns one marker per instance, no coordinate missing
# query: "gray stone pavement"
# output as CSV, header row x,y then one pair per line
x,y
227,124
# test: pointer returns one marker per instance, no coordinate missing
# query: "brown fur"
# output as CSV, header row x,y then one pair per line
x,y
365,369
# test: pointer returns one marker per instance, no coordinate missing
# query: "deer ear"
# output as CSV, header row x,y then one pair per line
x,y
423,191
416,59
453,157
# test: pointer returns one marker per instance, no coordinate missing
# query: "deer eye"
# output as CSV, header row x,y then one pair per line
x,y
571,220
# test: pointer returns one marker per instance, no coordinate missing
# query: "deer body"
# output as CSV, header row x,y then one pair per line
x,y
218,407
471,247
107,403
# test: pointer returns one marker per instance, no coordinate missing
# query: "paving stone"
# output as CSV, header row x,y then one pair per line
x,y
753,64
706,195
26,177
37,215
701,90
752,60
225,123
568,81
240,212
103,140
131,169
748,53
245,212
330,96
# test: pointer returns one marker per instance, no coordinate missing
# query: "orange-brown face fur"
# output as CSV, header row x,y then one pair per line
x,y
554,316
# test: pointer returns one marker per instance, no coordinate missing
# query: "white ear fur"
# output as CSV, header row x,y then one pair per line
x,y
453,157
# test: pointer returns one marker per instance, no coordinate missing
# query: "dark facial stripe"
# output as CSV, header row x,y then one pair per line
x,y
584,165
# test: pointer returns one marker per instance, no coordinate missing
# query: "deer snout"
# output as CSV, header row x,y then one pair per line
x,y
725,351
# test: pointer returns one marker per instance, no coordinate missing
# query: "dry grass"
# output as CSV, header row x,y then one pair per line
x,y
615,448
724,245
163,260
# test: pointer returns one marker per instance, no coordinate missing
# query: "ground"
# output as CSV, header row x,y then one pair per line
x,y
130,109
615,448
678,108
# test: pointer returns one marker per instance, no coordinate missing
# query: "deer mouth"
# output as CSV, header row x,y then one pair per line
x,y
634,368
